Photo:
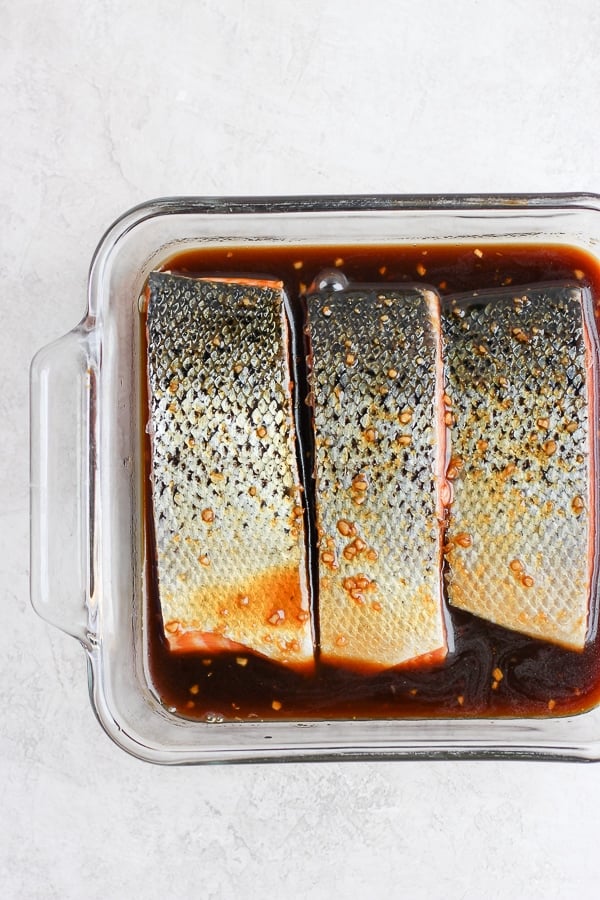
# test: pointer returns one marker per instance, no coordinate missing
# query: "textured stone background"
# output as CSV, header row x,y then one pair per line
x,y
109,103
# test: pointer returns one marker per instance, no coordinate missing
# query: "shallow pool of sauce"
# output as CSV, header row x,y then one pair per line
x,y
491,671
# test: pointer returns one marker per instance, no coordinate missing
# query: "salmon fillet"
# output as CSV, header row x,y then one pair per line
x,y
521,540
376,383
227,501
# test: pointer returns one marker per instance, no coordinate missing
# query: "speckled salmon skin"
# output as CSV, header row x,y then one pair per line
x,y
227,503
375,365
521,375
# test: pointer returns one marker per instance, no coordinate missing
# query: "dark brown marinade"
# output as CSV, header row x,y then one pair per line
x,y
491,671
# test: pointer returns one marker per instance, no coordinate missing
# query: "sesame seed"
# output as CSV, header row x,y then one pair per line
x,y
345,528
405,416
421,270
326,311
207,515
550,448
452,472
276,705
194,688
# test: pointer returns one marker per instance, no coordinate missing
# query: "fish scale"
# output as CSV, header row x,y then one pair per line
x,y
521,367
227,503
373,356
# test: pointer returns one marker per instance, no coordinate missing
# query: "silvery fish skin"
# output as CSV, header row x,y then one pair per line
x,y
227,502
521,369
376,381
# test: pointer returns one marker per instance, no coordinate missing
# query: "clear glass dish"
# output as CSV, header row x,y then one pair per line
x,y
88,551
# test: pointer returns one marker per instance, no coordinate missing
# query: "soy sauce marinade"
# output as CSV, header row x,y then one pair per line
x,y
491,671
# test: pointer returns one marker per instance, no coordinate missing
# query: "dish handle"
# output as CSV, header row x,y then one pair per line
x,y
62,400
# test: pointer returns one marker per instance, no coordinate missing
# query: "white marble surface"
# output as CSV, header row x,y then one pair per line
x,y
106,104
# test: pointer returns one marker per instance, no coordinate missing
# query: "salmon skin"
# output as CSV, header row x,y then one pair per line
x,y
521,543
227,501
376,389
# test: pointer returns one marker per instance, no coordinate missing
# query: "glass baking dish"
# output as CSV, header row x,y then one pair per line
x,y
88,547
